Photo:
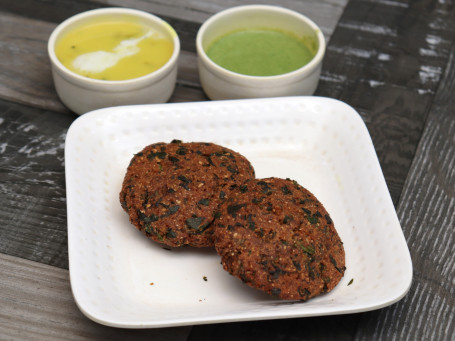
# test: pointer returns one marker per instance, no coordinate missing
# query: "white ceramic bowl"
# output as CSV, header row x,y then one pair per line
x,y
220,83
82,94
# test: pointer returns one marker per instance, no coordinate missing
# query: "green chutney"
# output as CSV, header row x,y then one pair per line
x,y
261,52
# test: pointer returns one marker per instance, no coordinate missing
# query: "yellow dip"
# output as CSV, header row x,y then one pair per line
x,y
114,50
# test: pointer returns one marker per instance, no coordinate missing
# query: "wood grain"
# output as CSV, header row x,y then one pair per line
x,y
386,59
324,13
37,304
32,183
340,328
25,75
427,214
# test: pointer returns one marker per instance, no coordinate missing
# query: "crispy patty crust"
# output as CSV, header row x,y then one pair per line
x,y
172,191
276,236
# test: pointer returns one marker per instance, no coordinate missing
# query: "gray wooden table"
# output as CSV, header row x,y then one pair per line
x,y
393,61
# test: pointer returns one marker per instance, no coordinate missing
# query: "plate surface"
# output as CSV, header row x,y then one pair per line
x,y
120,278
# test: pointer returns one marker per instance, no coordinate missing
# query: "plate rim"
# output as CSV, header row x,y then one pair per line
x,y
195,321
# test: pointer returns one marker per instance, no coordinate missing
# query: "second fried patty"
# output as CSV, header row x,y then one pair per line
x,y
276,236
172,191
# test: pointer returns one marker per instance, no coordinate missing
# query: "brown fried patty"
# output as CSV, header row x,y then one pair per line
x,y
276,236
172,191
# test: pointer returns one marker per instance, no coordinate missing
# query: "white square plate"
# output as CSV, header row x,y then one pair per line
x,y
120,278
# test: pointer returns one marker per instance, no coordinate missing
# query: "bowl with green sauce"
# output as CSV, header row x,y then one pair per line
x,y
113,56
259,51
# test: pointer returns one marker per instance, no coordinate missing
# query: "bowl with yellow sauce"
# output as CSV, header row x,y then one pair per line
x,y
113,56
259,51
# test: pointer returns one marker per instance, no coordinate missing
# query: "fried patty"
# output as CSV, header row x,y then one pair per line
x,y
172,191
276,236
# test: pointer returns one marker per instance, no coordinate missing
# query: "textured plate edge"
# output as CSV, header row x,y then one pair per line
x,y
195,321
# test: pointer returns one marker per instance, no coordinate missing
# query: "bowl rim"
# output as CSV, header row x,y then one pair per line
x,y
305,69
98,83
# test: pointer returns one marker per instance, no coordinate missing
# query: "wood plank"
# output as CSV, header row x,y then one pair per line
x,y
25,75
324,13
386,59
340,328
427,214
37,304
32,183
